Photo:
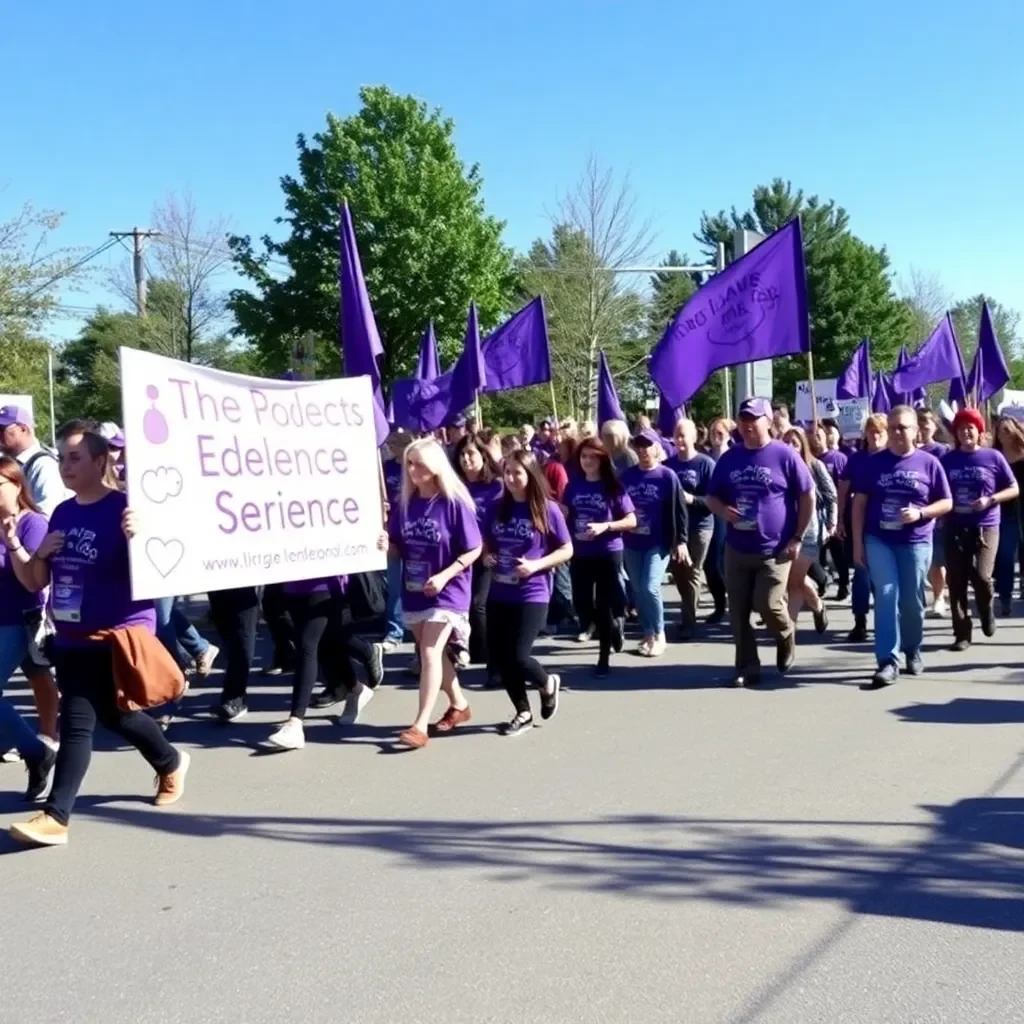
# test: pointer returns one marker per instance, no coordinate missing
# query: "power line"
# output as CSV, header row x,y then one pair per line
x,y
69,270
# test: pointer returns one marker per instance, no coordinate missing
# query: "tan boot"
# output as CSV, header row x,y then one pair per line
x,y
40,830
171,787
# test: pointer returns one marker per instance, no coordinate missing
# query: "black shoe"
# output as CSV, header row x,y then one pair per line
x,y
603,670
1005,608
843,592
886,675
523,722
785,652
618,635
39,774
988,621
821,619
915,663
715,617
685,635
859,633
960,645
327,699
234,709
549,700
748,678
375,666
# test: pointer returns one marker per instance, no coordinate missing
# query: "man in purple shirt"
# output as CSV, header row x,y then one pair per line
x,y
765,493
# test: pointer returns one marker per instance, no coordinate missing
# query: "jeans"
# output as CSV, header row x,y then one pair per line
x,y
898,573
646,570
235,615
14,730
395,630
513,630
1008,555
88,696
177,634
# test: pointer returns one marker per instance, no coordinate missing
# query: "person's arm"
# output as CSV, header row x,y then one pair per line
x,y
559,556
680,520
1008,492
805,512
844,494
940,506
860,504
46,485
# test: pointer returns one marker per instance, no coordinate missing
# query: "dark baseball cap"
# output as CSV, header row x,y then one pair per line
x,y
644,438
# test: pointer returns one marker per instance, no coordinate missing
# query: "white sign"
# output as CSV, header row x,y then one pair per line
x,y
825,398
853,412
21,401
239,481
1012,404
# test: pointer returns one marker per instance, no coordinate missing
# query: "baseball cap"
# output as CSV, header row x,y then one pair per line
x,y
11,414
644,438
112,434
756,407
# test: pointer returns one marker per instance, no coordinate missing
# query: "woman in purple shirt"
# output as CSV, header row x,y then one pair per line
x,y
434,529
980,480
85,557
477,469
927,429
525,538
598,512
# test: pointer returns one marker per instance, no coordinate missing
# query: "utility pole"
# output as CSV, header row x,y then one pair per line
x,y
137,235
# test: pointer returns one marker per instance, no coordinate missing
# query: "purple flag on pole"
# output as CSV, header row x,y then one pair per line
x,y
668,416
608,406
938,359
360,342
918,396
856,381
993,374
883,398
517,354
754,309
428,366
422,404
469,375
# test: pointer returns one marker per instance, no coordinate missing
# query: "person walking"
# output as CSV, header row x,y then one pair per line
x,y
898,495
660,533
1009,439
719,442
980,480
764,491
928,428
435,532
834,460
525,538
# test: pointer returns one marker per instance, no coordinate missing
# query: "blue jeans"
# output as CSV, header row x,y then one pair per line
x,y
177,634
646,570
898,573
394,628
14,730
1007,556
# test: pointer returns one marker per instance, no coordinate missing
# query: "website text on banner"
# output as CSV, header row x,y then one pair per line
x,y
239,481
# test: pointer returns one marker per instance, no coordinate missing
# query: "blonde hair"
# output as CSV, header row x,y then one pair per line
x,y
434,458
588,428
877,421
801,435
615,435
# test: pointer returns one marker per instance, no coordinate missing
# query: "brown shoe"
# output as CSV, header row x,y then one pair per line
x,y
40,830
453,717
171,787
412,738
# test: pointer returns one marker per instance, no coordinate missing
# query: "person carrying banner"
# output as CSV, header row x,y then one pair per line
x,y
898,495
525,538
766,495
980,480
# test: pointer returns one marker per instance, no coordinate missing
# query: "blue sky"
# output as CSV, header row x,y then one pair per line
x,y
908,114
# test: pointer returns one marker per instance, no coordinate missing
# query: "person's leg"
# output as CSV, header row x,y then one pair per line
x,y
698,545
714,568
531,620
481,586
937,571
607,573
885,580
235,616
1006,563
281,629
582,577
47,698
431,638
394,630
166,631
769,599
194,644
795,590
560,609
842,565
740,575
14,730
958,561
912,563
506,649
634,561
309,612
655,567
981,577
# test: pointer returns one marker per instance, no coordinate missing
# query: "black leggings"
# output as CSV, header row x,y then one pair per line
x,y
513,630
837,549
319,639
597,594
275,614
87,696
478,613
235,615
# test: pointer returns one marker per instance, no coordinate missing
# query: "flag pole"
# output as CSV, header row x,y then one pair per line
x,y
53,416
476,409
554,407
814,397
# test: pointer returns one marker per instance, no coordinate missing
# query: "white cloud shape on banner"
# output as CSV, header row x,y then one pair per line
x,y
161,484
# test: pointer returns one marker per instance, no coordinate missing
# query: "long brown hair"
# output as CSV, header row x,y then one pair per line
x,y
10,469
537,491
490,472
609,479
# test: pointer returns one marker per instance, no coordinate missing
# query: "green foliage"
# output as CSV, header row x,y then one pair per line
x,y
426,245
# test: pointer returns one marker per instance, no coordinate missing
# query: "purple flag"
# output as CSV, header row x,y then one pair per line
x,y
517,354
993,373
469,375
360,342
429,366
422,404
918,396
938,359
668,416
754,309
856,381
608,406
883,397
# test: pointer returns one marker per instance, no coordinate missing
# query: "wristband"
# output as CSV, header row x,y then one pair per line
x,y
20,547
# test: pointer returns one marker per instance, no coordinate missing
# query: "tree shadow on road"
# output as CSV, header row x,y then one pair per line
x,y
965,711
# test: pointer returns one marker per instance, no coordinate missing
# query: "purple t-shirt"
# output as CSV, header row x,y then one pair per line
x,y
974,475
894,482
430,535
484,495
586,503
835,462
90,583
15,600
393,481
764,485
322,585
936,448
695,478
519,538
648,490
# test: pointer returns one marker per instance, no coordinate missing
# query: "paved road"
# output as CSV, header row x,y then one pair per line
x,y
664,850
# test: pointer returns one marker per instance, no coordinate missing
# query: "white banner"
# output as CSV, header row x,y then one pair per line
x,y
852,414
825,397
21,401
1012,404
239,481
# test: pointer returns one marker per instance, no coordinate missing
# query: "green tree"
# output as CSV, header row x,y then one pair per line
x,y
426,244
850,291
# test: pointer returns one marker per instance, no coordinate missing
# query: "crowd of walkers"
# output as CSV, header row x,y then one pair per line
x,y
492,541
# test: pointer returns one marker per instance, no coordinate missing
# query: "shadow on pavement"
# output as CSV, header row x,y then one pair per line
x,y
965,711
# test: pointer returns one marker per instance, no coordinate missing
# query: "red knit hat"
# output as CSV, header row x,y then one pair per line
x,y
970,417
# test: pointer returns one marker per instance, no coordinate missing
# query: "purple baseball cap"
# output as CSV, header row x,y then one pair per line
x,y
644,438
112,434
11,414
756,407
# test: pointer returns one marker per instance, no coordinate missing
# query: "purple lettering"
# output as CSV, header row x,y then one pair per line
x,y
251,517
231,409
259,403
314,416
339,460
350,507
222,498
204,455
296,514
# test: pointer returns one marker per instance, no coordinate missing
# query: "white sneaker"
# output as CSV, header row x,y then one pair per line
x,y
289,737
204,663
657,648
355,704
939,608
